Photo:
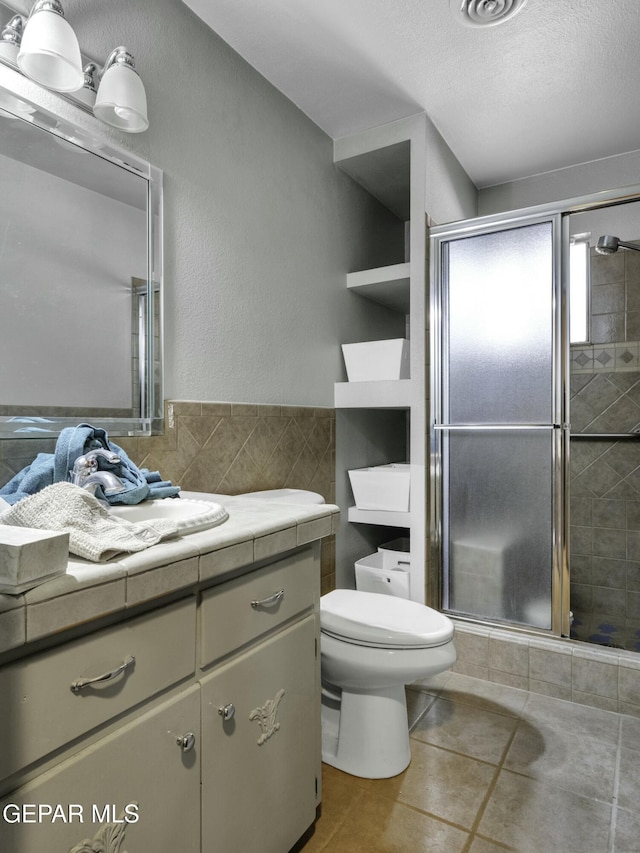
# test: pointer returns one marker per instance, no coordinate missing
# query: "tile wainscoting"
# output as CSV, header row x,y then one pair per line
x,y
230,448
608,679
226,448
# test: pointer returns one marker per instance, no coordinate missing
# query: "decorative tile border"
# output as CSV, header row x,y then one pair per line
x,y
605,358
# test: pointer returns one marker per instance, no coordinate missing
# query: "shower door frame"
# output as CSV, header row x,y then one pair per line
x,y
558,213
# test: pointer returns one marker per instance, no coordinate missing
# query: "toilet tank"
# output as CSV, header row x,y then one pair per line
x,y
289,496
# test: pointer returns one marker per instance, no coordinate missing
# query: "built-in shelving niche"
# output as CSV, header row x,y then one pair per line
x,y
380,422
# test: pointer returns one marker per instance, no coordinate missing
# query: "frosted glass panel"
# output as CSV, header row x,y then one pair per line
x,y
498,503
500,326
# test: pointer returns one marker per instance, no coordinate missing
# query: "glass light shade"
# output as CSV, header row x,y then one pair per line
x,y
121,100
49,53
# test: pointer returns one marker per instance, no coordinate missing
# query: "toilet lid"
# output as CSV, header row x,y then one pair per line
x,y
382,620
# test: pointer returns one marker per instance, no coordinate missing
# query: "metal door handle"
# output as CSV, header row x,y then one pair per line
x,y
227,711
270,599
80,683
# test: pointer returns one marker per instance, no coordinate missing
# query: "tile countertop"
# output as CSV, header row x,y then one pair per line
x,y
255,530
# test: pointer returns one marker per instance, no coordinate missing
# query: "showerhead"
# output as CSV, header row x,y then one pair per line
x,y
607,245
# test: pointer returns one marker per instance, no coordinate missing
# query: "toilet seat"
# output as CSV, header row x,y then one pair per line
x,y
371,619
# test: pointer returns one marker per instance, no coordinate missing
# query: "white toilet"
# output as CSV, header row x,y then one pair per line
x,y
372,645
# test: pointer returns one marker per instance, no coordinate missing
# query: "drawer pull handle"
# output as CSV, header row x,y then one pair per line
x,y
270,599
227,711
80,683
186,742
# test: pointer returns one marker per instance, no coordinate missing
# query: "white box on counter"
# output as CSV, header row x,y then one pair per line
x,y
29,557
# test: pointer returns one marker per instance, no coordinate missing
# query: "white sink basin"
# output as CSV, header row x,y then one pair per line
x,y
190,515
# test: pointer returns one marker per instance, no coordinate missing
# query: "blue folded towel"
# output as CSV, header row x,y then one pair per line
x,y
158,488
56,467
31,479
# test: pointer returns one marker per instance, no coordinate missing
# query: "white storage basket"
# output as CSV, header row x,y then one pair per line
x,y
372,576
377,360
382,487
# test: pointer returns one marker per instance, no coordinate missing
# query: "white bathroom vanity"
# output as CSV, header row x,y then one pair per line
x,y
169,700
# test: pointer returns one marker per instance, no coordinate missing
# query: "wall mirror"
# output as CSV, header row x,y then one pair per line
x,y
80,277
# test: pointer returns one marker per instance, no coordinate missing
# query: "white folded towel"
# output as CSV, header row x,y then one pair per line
x,y
94,533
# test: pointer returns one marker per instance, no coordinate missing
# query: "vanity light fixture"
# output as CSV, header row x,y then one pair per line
x,y
121,100
49,52
10,38
45,49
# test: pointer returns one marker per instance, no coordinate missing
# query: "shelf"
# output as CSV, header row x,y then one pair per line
x,y
388,286
386,420
386,394
379,516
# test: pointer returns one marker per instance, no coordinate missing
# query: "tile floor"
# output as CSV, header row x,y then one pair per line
x,y
493,768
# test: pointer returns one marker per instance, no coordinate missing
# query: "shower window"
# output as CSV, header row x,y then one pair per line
x,y
579,289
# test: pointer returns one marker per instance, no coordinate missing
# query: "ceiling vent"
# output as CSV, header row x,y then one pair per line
x,y
485,13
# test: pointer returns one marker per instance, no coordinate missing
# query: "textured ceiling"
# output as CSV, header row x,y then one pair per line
x,y
557,84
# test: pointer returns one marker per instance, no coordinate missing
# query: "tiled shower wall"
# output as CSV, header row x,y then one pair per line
x,y
605,475
227,448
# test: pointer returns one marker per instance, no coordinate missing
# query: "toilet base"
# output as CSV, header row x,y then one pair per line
x,y
369,735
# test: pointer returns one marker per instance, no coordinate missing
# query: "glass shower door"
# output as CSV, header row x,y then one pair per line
x,y
499,424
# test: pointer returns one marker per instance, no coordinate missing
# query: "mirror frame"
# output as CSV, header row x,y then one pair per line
x,y
18,90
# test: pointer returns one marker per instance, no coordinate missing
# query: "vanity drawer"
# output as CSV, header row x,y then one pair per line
x,y
40,708
236,612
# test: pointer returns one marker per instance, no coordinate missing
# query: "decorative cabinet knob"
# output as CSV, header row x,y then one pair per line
x,y
227,711
187,742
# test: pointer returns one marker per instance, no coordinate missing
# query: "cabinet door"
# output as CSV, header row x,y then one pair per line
x,y
259,765
138,783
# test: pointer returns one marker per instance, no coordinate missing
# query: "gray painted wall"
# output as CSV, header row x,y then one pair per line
x,y
581,179
259,225
450,193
